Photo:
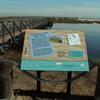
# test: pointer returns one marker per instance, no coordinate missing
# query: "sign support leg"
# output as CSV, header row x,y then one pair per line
x,y
69,75
38,81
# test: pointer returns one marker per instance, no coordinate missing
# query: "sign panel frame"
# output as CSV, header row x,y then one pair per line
x,y
54,50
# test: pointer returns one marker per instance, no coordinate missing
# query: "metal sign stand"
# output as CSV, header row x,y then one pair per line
x,y
52,95
69,75
38,82
62,96
68,88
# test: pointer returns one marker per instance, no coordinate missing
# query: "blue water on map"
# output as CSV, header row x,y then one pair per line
x,y
40,45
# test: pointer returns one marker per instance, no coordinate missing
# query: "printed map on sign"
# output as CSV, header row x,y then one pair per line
x,y
54,50
40,45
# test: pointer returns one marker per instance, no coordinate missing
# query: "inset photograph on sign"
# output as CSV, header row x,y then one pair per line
x,y
54,50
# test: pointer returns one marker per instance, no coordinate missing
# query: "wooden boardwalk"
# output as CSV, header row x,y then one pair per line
x,y
18,27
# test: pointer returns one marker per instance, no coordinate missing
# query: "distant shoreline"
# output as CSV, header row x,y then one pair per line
x,y
76,21
55,19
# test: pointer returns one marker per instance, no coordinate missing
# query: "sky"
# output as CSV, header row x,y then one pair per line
x,y
59,8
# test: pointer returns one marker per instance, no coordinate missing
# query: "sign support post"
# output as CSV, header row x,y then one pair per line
x,y
69,75
38,81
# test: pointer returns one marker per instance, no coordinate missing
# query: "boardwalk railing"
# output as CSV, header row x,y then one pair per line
x,y
11,27
12,32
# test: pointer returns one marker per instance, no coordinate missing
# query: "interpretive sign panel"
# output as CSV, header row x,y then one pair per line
x,y
54,50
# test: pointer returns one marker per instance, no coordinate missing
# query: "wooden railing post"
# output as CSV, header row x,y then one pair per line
x,y
6,89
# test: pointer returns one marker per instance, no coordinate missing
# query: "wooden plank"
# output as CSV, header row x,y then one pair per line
x,y
19,28
3,25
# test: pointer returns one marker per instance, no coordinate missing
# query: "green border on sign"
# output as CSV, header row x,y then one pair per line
x,y
54,65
